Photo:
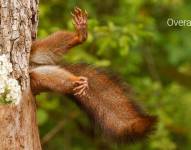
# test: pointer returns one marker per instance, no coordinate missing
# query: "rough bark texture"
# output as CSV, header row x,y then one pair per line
x,y
18,128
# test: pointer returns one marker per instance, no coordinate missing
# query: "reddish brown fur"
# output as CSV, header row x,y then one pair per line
x,y
46,78
46,51
106,101
54,46
111,106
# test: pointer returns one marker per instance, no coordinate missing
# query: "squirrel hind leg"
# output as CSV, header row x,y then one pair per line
x,y
111,107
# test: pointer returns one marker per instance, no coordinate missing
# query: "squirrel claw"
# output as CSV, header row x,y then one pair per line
x,y
79,18
81,86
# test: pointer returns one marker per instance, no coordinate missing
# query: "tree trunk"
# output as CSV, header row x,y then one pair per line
x,y
18,127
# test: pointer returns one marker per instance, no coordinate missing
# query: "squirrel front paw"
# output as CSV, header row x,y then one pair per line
x,y
80,23
79,18
81,86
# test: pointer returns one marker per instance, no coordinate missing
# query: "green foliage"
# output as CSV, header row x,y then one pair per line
x,y
132,39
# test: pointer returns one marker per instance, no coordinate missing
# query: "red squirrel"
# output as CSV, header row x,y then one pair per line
x,y
105,100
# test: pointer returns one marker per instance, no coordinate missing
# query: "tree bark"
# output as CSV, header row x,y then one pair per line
x,y
18,127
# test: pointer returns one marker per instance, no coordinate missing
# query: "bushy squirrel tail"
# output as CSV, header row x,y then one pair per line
x,y
110,105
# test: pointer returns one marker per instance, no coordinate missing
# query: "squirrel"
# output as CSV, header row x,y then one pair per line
x,y
105,100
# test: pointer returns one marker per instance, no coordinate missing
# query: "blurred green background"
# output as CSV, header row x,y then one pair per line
x,y
131,38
